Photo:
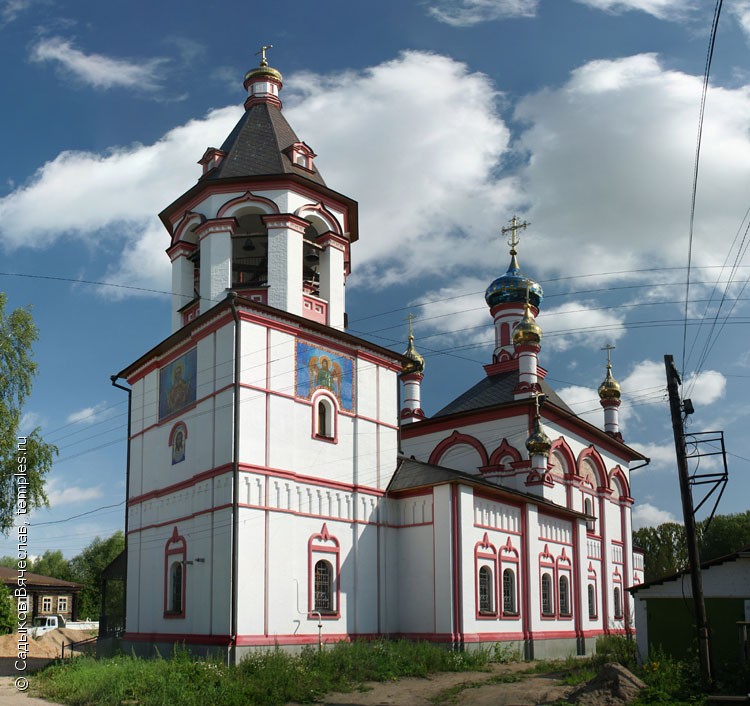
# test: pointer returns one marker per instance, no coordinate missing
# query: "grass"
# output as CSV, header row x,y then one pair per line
x,y
272,677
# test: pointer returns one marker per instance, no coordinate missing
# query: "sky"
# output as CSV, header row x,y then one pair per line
x,y
443,119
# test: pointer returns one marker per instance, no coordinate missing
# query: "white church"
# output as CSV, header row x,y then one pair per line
x,y
284,485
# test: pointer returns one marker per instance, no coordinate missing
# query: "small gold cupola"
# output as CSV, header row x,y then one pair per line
x,y
610,388
528,331
415,364
538,442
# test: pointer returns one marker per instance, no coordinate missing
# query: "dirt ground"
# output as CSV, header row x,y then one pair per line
x,y
49,645
460,689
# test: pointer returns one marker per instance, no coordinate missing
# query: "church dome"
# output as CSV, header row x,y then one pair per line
x,y
538,442
415,364
528,330
510,288
610,388
262,73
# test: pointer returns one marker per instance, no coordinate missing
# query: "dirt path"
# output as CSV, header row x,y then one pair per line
x,y
502,685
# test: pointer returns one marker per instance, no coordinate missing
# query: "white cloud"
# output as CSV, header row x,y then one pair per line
x,y
662,9
579,323
70,495
98,70
662,457
741,10
465,13
89,415
648,515
11,9
584,401
29,422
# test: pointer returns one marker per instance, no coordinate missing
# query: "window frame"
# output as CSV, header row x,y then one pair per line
x,y
323,546
175,551
550,599
46,604
509,560
563,596
60,600
486,590
485,557
331,407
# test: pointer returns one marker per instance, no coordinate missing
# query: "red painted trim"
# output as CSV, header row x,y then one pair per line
x,y
184,518
458,439
182,485
431,426
597,462
329,518
617,475
505,449
311,480
324,397
511,562
173,431
456,565
248,198
484,554
323,213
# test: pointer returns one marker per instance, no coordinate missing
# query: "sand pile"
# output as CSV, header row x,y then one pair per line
x,y
613,686
49,645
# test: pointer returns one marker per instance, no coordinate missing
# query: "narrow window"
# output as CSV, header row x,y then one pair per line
x,y
322,419
564,595
509,592
47,604
323,587
175,593
62,604
485,590
618,603
588,509
592,601
546,594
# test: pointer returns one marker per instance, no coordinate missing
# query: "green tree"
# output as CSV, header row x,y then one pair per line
x,y
17,369
8,614
725,535
664,549
87,567
54,564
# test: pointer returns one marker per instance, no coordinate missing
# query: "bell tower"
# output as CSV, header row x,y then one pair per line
x,y
261,221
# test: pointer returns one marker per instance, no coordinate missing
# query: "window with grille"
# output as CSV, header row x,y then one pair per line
x,y
564,595
47,604
547,595
485,590
62,604
323,587
509,592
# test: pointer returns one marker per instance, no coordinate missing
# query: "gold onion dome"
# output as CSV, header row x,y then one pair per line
x,y
538,442
527,330
415,364
263,72
610,388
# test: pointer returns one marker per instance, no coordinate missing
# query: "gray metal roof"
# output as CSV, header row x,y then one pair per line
x,y
495,390
255,147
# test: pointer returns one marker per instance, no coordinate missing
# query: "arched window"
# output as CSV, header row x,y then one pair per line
x,y
323,587
485,589
509,592
175,587
564,595
592,601
618,603
547,594
588,509
323,419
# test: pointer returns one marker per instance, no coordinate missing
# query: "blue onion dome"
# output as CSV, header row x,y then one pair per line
x,y
510,288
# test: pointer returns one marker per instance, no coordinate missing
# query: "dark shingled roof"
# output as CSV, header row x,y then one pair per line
x,y
494,390
411,473
255,147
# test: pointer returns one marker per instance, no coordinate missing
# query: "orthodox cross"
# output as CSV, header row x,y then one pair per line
x,y
513,228
410,318
262,52
609,347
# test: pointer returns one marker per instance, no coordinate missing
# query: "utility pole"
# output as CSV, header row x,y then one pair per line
x,y
676,409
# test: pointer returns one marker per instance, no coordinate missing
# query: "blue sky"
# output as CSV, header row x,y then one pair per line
x,y
443,119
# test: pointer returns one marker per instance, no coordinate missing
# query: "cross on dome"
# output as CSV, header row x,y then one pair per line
x,y
513,228
262,52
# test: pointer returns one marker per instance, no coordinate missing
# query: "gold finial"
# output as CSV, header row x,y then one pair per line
x,y
610,388
262,52
415,363
538,442
513,228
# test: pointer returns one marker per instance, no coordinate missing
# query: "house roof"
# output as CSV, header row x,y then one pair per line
x,y
494,390
743,553
9,577
256,145
411,474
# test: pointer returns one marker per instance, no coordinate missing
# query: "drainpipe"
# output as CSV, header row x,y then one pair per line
x,y
114,379
232,297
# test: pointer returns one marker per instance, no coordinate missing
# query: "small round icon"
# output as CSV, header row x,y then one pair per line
x,y
22,683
